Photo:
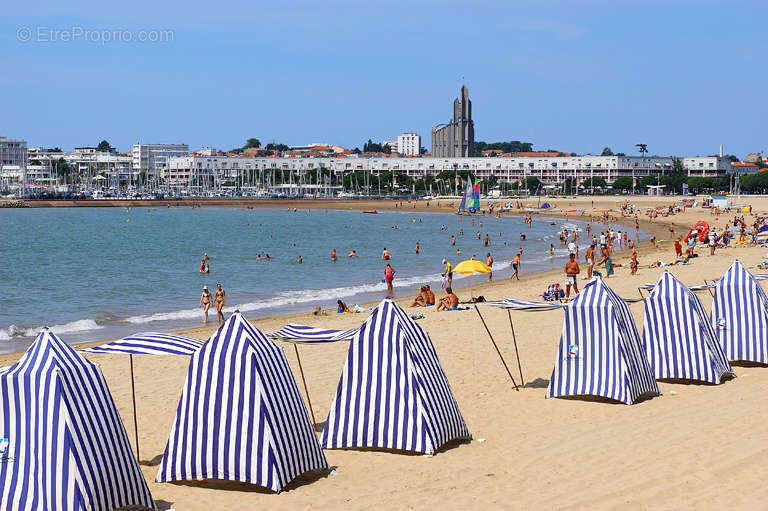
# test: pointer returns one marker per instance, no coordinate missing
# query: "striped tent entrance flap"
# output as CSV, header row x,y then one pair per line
x,y
600,352
679,340
63,444
740,316
393,392
240,416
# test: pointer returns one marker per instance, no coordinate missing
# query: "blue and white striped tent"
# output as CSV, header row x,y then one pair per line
x,y
308,334
393,392
740,316
679,340
149,343
65,447
240,416
600,351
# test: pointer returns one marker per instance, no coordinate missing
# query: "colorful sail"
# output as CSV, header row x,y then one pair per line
x,y
476,195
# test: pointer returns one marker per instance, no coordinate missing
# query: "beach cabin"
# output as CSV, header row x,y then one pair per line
x,y
62,443
740,315
718,201
600,352
679,340
393,393
240,416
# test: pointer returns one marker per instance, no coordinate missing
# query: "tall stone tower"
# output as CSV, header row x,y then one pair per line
x,y
456,138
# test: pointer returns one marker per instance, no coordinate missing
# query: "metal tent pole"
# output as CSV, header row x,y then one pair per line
x,y
497,349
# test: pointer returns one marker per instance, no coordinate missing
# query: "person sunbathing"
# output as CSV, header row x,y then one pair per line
x,y
421,298
430,296
449,302
341,307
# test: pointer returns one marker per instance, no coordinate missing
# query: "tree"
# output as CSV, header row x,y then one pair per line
x,y
622,183
62,167
677,167
596,182
732,158
252,142
104,147
514,146
532,183
607,152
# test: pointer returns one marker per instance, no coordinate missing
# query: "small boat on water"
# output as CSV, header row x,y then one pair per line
x,y
371,211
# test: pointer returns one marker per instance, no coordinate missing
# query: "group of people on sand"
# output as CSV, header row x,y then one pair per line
x,y
425,297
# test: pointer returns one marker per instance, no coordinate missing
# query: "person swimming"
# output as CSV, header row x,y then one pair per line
x,y
352,253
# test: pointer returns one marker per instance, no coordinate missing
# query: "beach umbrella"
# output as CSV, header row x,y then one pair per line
x,y
471,267
146,343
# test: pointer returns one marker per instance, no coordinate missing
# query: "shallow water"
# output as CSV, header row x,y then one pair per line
x,y
104,272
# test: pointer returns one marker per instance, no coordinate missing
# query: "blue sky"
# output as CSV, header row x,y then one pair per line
x,y
680,76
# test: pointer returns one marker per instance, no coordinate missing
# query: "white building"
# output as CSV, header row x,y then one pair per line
x,y
392,144
13,164
409,144
550,170
706,165
153,158
13,152
44,172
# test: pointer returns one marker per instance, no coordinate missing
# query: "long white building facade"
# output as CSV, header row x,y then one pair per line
x,y
550,170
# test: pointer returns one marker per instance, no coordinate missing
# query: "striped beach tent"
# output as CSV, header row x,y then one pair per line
x,y
149,343
740,316
240,416
62,445
393,392
600,351
308,334
679,340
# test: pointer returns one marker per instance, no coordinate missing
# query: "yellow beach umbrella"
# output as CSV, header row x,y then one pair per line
x,y
470,267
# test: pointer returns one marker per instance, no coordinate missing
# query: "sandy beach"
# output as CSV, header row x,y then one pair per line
x,y
696,446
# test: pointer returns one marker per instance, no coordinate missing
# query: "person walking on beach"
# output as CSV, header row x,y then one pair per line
x,y
515,264
205,302
389,277
220,299
589,257
571,272
489,262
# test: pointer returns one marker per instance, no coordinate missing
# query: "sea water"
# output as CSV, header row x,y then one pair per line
x,y
93,273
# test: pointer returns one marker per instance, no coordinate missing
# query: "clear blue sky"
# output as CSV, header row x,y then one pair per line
x,y
681,76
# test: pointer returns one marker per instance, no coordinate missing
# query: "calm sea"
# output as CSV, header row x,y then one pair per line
x,y
104,272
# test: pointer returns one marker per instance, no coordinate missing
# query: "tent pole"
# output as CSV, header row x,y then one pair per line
x,y
517,354
640,290
304,380
135,420
497,349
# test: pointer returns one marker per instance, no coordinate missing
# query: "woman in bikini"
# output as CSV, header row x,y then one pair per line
x,y
205,302
220,298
